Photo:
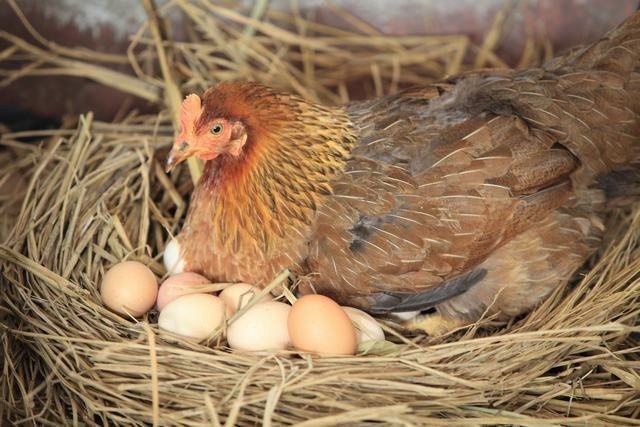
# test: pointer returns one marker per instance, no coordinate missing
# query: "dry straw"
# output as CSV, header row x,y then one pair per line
x,y
90,196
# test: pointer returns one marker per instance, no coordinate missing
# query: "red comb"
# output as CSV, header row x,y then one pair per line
x,y
189,113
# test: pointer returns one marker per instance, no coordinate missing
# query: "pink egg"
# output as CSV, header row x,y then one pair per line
x,y
178,285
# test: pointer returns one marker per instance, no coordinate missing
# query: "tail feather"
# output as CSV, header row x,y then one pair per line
x,y
589,100
604,79
618,54
621,186
617,51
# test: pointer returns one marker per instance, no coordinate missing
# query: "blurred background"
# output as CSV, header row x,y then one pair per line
x,y
33,94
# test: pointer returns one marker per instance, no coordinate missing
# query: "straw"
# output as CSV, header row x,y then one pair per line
x,y
85,198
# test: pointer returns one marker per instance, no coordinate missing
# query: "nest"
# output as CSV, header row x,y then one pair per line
x,y
93,194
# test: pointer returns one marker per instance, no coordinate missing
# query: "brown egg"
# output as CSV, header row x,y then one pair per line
x,y
319,325
129,288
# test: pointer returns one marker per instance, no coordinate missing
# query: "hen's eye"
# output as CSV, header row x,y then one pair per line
x,y
216,129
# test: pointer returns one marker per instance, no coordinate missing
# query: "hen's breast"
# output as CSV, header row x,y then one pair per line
x,y
228,239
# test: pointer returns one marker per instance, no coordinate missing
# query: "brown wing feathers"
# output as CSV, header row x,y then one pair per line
x,y
409,228
467,194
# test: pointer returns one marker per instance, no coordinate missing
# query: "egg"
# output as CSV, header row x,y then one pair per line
x,y
194,316
367,327
129,288
172,259
178,285
237,295
404,316
319,325
262,327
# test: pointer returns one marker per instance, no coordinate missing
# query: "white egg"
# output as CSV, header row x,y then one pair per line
x,y
171,257
194,316
238,295
407,315
262,327
366,326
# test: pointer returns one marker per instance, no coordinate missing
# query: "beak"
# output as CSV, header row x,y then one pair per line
x,y
176,156
171,162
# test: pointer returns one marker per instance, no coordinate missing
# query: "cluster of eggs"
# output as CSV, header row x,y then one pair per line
x,y
314,323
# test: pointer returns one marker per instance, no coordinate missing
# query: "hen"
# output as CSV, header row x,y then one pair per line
x,y
479,194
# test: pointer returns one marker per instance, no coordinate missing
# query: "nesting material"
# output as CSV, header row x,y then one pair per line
x,y
92,195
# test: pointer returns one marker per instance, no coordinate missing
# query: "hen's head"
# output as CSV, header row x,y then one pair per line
x,y
221,123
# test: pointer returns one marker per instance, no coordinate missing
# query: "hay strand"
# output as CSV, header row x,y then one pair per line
x,y
88,197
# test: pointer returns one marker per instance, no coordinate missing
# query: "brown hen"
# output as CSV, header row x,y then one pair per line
x,y
479,194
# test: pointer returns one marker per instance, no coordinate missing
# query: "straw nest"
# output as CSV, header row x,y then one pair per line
x,y
94,194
